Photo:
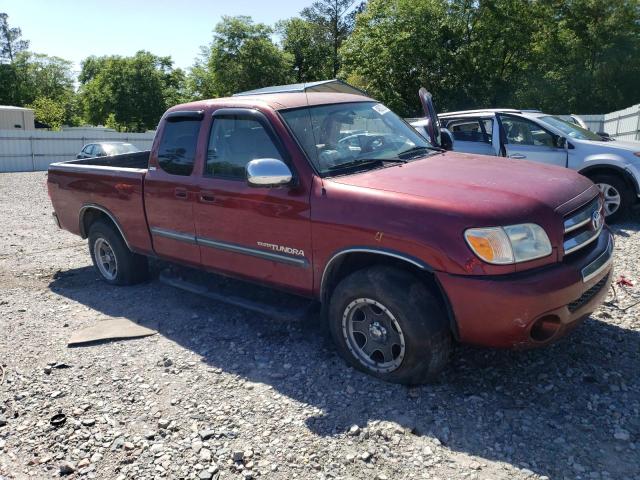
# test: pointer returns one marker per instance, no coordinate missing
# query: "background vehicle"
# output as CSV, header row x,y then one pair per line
x,y
332,197
614,166
104,149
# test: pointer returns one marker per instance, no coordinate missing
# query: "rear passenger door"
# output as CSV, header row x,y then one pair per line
x,y
525,139
170,190
258,233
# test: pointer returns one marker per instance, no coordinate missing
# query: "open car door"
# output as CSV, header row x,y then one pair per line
x,y
433,126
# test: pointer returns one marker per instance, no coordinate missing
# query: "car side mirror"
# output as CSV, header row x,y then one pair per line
x,y
446,139
561,142
605,136
268,172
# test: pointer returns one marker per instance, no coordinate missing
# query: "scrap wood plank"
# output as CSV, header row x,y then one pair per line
x,y
112,329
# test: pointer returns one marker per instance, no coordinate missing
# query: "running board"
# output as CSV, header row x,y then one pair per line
x,y
280,306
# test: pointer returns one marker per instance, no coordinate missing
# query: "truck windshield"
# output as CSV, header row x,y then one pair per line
x,y
342,136
570,129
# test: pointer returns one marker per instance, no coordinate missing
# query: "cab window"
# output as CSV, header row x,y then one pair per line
x,y
235,141
177,150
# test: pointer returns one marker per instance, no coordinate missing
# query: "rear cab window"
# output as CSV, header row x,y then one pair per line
x,y
177,149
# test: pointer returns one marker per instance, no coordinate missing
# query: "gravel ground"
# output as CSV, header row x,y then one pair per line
x,y
224,393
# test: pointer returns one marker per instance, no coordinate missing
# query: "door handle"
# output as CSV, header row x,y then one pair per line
x,y
207,197
181,193
517,155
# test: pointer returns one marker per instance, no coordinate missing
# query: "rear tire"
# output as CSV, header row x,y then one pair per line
x,y
387,323
614,190
111,257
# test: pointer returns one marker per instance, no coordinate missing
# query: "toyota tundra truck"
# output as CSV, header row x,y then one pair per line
x,y
322,192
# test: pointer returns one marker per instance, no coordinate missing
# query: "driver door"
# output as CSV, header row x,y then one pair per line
x,y
258,233
525,139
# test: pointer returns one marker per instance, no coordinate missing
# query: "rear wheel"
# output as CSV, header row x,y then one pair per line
x,y
618,197
387,323
111,257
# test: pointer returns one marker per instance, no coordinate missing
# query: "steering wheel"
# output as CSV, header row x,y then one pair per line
x,y
373,143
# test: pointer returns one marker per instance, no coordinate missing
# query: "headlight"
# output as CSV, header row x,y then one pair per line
x,y
511,244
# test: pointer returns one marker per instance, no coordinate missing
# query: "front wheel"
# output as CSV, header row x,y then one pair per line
x,y
618,197
111,257
387,323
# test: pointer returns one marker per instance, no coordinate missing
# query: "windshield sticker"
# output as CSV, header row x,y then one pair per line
x,y
381,109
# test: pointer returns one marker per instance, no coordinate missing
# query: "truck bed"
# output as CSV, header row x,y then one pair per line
x,y
114,185
138,160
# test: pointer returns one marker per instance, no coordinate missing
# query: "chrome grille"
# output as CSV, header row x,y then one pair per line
x,y
581,227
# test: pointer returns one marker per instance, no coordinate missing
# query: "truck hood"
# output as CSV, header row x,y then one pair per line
x,y
488,189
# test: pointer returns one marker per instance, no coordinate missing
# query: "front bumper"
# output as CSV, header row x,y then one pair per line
x,y
530,308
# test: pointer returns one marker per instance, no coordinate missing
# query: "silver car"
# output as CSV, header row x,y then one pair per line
x,y
532,135
104,149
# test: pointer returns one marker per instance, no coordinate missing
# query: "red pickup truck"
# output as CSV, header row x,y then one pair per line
x,y
331,196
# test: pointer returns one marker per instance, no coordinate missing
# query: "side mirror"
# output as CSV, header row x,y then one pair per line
x,y
605,136
268,172
561,142
79,156
446,139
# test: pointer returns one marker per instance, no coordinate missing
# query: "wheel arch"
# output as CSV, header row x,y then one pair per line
x,y
90,213
347,261
607,169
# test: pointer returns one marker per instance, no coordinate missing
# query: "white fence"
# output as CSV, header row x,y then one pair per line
x,y
27,151
623,124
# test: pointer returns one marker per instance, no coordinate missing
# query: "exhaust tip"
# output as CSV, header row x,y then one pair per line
x,y
545,328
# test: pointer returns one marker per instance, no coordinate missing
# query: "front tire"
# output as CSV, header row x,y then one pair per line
x,y
387,323
618,197
111,257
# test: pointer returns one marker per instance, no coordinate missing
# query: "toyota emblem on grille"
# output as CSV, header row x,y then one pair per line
x,y
596,220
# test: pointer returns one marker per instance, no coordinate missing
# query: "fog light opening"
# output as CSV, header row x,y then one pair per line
x,y
545,328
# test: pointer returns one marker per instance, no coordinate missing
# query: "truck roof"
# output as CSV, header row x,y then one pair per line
x,y
334,85
281,97
275,101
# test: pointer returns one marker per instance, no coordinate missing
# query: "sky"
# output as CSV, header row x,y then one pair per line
x,y
76,29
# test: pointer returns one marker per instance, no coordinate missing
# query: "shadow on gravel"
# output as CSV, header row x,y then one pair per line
x,y
554,411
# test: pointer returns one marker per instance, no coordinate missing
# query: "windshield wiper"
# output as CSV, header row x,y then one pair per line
x,y
418,149
365,161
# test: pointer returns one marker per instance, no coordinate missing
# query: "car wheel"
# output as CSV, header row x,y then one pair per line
x,y
111,257
387,323
617,196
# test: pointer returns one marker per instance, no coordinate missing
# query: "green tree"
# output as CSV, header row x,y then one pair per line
x,y
40,75
558,55
131,92
586,57
332,18
398,46
307,44
30,79
241,56
11,42
49,112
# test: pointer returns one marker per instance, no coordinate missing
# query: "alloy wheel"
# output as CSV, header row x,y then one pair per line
x,y
373,335
612,198
105,259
